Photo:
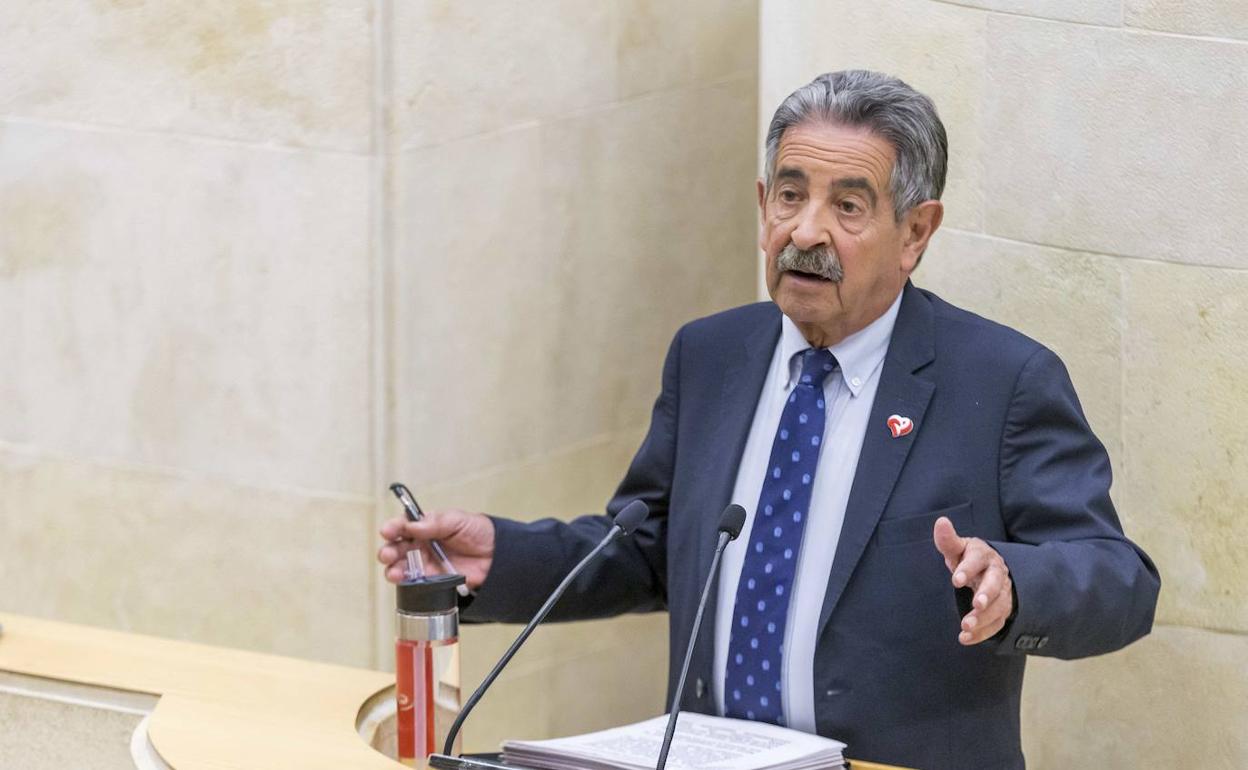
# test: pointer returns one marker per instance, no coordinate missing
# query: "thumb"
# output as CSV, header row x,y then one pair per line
x,y
948,542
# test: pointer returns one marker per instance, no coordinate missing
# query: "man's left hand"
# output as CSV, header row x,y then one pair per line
x,y
977,565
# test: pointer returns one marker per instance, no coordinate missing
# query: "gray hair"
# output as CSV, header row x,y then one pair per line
x,y
887,107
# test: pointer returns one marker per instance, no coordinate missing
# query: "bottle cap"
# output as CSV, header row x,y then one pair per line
x,y
431,593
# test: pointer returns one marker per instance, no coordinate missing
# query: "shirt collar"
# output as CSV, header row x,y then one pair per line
x,y
859,354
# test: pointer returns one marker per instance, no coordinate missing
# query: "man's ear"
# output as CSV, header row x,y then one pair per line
x,y
762,212
920,223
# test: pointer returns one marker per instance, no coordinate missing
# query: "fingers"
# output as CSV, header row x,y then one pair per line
x,y
981,624
392,532
995,579
395,573
975,562
398,533
982,569
439,525
977,559
393,529
393,555
947,541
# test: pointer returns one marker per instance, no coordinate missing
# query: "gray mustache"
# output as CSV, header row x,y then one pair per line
x,y
821,261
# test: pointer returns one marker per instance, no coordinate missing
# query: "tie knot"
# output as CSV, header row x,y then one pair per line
x,y
817,364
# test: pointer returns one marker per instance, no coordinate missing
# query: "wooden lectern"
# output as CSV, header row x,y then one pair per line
x,y
171,705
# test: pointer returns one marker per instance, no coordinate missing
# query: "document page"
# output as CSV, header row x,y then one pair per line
x,y
702,742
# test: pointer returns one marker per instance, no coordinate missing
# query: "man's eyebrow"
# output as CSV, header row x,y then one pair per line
x,y
856,183
788,172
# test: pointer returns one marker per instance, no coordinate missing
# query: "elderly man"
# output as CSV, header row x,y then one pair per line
x,y
892,452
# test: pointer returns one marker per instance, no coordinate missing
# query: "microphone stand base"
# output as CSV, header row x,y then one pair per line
x,y
471,762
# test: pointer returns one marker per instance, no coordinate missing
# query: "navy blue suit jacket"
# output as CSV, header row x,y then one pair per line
x,y
1000,445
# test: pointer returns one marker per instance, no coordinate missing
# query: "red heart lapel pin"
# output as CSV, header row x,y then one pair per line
x,y
900,426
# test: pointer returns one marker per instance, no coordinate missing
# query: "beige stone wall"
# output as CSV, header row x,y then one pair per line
x,y
259,259
185,320
570,185
1097,175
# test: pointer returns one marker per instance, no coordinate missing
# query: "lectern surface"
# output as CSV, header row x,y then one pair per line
x,y
218,709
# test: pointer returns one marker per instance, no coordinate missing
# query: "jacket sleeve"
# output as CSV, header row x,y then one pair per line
x,y
1082,587
530,559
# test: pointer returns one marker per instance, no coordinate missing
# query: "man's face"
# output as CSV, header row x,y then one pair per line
x,y
831,193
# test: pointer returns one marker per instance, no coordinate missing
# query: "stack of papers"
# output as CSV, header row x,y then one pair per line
x,y
702,743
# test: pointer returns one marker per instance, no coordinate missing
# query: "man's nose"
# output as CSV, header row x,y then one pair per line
x,y
810,231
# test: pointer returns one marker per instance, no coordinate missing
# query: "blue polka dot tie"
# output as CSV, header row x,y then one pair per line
x,y
756,646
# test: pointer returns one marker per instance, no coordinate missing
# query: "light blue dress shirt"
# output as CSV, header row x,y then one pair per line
x,y
861,356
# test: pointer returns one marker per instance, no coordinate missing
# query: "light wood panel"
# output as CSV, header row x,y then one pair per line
x,y
219,709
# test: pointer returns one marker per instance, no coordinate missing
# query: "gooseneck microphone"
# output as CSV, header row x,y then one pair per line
x,y
730,523
625,522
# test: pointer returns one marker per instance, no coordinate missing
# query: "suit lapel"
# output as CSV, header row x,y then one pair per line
x,y
743,381
744,376
901,392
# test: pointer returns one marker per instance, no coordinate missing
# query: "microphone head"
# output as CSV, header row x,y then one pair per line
x,y
732,520
632,516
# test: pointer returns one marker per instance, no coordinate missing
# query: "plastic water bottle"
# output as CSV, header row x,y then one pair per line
x,y
426,664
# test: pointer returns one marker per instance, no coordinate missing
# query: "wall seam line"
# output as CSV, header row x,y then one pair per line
x,y
187,136
592,442
1207,629
1124,285
579,112
1096,252
1124,27
381,274
981,128
177,473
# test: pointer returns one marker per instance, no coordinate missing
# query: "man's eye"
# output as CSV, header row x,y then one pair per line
x,y
849,207
788,196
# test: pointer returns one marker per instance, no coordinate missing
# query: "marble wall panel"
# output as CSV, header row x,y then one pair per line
x,y
1085,11
632,687
182,303
1116,142
285,73
576,479
543,271
1186,385
937,48
477,297
1036,291
466,69
568,679
185,558
1177,698
1216,18
663,45
519,704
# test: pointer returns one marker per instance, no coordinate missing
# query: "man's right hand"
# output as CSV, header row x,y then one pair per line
x,y
467,538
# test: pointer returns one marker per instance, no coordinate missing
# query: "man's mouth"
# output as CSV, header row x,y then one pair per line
x,y
808,276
